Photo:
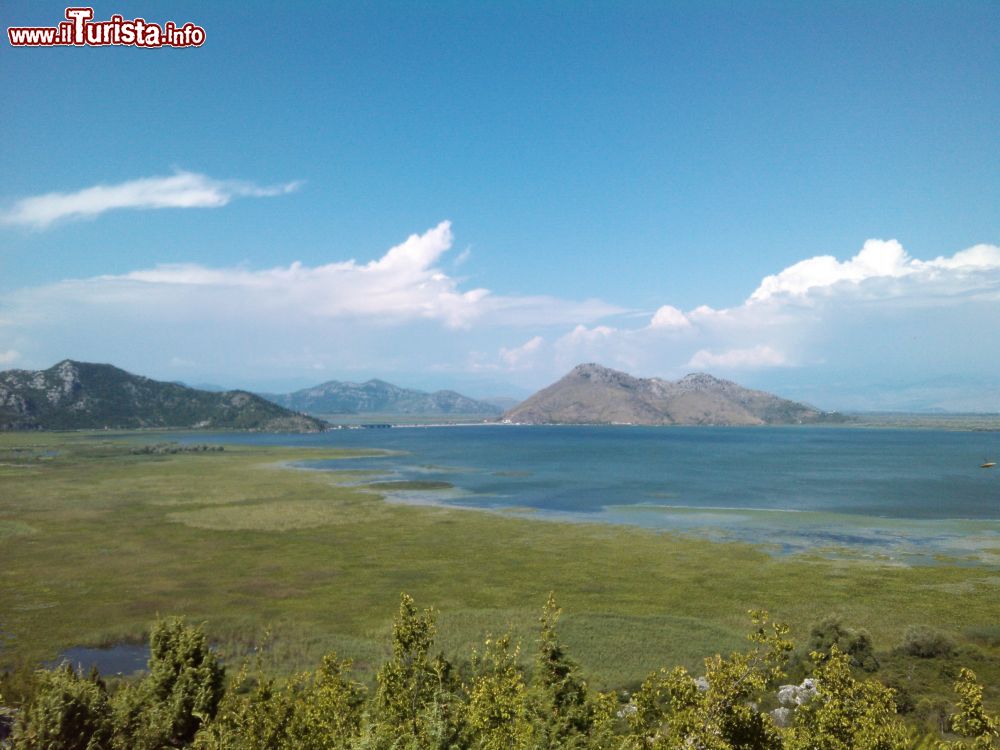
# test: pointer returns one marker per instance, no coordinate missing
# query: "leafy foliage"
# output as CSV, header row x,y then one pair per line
x,y
856,643
415,701
972,720
561,712
846,714
926,642
719,710
69,712
421,704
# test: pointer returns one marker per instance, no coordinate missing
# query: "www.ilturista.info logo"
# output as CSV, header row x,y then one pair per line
x,y
80,30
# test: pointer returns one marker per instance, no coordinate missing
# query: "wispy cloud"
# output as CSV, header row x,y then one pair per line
x,y
9,357
738,359
523,355
180,190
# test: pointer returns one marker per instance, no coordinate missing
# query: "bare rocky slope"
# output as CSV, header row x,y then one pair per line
x,y
592,394
81,395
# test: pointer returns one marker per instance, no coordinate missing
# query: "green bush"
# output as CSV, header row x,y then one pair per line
x,y
69,712
857,644
422,703
926,643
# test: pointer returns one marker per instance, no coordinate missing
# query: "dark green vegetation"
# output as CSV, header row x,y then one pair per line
x,y
422,699
80,395
379,397
592,394
97,540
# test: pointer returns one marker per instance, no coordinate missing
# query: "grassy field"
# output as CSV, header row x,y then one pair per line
x,y
96,541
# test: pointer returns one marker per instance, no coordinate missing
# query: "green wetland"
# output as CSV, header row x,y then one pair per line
x,y
99,538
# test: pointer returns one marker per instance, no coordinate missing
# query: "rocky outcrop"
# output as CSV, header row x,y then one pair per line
x,y
82,395
592,394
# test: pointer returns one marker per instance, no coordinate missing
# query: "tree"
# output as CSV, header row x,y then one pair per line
x,y
185,678
69,712
845,714
414,704
328,709
253,715
717,711
856,643
560,709
497,715
972,721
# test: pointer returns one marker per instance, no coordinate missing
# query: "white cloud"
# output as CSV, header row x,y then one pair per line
x,y
878,313
180,190
523,355
738,359
878,259
669,317
344,313
581,334
462,257
878,310
9,357
406,283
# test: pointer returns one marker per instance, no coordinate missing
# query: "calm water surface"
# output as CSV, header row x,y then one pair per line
x,y
886,492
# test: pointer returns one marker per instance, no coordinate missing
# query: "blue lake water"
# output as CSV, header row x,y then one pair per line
x,y
125,658
884,492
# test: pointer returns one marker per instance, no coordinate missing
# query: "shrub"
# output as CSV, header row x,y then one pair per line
x,y
857,644
926,643
69,712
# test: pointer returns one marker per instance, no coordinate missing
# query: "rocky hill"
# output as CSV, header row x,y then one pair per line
x,y
379,397
81,395
592,394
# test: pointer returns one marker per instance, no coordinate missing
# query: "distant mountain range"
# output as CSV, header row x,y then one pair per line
x,y
82,395
592,394
379,397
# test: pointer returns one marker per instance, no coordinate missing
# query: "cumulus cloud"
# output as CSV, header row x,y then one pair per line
x,y
9,357
878,313
879,309
982,257
581,334
669,317
405,283
878,259
180,190
340,313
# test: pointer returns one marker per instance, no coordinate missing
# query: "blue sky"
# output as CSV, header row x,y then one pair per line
x,y
582,181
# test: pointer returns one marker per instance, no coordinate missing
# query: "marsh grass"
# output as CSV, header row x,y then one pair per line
x,y
409,484
228,539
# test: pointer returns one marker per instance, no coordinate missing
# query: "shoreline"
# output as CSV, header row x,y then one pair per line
x,y
822,533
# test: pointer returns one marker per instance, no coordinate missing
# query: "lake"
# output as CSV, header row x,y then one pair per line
x,y
907,494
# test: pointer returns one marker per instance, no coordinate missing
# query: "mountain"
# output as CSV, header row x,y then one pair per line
x,y
81,395
503,403
379,397
592,394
